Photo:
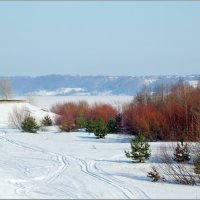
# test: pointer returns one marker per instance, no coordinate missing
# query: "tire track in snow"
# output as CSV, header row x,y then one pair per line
x,y
85,169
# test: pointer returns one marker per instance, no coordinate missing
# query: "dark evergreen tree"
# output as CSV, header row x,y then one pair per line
x,y
47,121
182,152
101,129
91,126
140,149
81,121
112,126
29,125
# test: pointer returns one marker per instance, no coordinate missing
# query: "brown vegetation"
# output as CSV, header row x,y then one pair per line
x,y
72,114
173,115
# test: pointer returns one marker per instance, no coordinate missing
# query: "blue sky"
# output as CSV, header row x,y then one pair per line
x,y
99,38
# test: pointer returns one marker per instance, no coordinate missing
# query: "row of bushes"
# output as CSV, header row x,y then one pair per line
x,y
169,113
98,118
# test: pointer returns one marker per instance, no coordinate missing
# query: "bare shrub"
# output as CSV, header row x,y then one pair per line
x,y
181,173
154,174
6,91
17,116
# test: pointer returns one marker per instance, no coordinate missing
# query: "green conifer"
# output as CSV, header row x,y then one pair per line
x,y
140,149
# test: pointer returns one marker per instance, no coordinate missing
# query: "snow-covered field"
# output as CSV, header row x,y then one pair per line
x,y
7,108
46,102
76,165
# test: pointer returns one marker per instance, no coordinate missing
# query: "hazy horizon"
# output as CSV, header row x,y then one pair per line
x,y
101,75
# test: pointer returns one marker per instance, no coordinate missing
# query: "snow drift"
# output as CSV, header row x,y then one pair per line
x,y
7,108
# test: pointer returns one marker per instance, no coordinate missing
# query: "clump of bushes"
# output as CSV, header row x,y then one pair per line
x,y
169,113
29,125
140,149
98,118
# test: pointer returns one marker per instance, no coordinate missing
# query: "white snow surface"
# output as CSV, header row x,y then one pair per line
x,y
193,83
77,165
7,108
46,102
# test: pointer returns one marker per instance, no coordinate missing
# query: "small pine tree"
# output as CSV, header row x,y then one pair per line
x,y
140,149
154,174
29,125
47,121
101,129
91,126
182,152
197,164
81,121
112,126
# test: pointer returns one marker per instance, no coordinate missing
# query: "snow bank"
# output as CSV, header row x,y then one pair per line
x,y
7,108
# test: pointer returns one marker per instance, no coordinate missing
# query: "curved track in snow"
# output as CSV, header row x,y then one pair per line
x,y
51,175
136,192
28,187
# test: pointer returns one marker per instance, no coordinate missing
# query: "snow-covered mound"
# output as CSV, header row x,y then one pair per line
x,y
7,108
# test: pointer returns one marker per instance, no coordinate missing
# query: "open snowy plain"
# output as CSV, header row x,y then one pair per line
x,y
46,102
76,165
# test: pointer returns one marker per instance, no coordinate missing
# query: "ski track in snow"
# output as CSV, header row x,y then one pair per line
x,y
90,168
138,193
62,160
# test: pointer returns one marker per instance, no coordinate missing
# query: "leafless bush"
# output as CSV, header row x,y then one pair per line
x,y
5,89
17,116
181,173
154,174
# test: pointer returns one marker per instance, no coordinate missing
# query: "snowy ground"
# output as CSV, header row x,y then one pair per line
x,y
7,108
77,165
46,102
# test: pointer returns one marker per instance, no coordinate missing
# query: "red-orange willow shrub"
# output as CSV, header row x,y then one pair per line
x,y
172,116
71,112
144,119
68,113
102,111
